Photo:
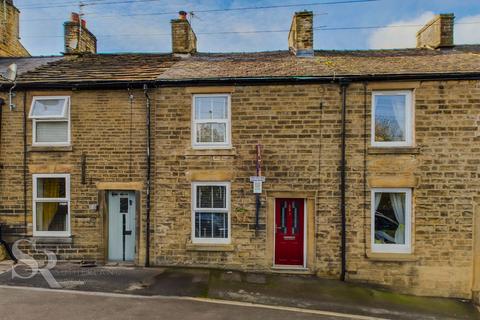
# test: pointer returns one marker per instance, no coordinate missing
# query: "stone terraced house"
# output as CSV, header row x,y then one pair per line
x,y
370,158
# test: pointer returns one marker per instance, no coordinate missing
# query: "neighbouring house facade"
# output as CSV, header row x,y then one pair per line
x,y
370,158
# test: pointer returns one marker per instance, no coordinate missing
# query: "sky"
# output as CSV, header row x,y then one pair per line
x,y
137,26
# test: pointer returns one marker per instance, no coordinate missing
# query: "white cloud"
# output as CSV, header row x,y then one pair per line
x,y
466,32
399,37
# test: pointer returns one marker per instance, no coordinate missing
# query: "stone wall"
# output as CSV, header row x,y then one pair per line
x,y
76,40
437,33
10,45
299,127
300,37
108,131
184,40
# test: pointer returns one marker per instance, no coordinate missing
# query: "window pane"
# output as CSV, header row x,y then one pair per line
x,y
219,108
389,218
220,225
56,131
390,115
203,109
52,216
219,132
211,225
48,108
211,132
204,132
51,188
211,108
211,197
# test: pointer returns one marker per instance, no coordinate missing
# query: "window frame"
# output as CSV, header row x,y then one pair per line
x,y
35,199
409,119
45,119
393,248
228,123
200,240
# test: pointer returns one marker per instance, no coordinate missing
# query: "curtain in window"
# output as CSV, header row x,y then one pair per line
x,y
398,106
378,196
398,204
51,190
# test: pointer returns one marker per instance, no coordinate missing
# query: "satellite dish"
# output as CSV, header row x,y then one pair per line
x,y
12,72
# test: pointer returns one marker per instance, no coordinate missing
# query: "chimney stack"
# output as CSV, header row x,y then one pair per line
x,y
10,45
437,33
300,38
184,40
78,39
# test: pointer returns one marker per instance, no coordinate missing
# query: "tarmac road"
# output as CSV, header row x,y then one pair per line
x,y
36,303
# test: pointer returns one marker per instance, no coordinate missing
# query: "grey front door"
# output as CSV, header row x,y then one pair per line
x,y
121,226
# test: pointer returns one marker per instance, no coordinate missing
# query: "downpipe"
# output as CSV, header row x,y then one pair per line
x,y
148,182
343,164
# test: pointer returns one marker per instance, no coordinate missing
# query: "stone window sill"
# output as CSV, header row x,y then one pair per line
x,y
392,257
53,240
393,150
232,152
210,247
50,149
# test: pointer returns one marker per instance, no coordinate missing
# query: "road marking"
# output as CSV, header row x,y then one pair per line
x,y
204,300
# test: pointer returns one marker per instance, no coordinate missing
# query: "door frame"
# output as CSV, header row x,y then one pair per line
x,y
107,243
274,225
136,187
309,229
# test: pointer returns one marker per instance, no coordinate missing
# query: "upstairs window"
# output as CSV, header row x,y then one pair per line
x,y
211,221
391,220
392,119
51,121
211,121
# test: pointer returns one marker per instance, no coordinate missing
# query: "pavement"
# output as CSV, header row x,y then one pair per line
x,y
270,295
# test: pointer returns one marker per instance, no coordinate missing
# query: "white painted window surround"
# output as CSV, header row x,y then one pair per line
x,y
211,121
51,205
50,120
391,220
392,119
211,219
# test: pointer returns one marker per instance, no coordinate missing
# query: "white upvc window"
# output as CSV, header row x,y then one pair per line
x,y
392,118
50,121
211,126
51,205
211,212
391,220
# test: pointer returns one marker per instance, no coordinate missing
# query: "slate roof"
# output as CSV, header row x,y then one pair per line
x,y
166,67
102,67
327,63
27,64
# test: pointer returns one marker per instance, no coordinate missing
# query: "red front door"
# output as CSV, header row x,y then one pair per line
x,y
289,215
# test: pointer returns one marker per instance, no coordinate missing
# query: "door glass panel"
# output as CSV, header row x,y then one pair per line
x,y
123,205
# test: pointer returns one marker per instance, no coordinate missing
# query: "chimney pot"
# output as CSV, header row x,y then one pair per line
x,y
74,17
437,33
182,15
300,37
